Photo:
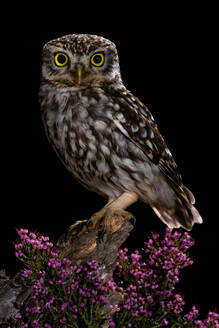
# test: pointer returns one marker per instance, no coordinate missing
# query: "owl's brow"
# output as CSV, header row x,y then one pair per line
x,y
79,47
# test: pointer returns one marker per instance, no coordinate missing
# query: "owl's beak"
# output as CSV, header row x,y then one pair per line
x,y
79,73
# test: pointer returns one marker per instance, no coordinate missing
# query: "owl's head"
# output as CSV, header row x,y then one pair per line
x,y
80,60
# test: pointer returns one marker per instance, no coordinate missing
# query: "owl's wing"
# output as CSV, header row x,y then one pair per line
x,y
135,121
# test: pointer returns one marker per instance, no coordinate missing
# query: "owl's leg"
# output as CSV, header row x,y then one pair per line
x,y
110,200
123,201
98,215
112,209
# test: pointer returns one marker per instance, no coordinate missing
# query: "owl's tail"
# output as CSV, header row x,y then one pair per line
x,y
184,214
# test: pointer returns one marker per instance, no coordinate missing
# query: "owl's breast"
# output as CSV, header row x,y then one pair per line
x,y
80,130
84,135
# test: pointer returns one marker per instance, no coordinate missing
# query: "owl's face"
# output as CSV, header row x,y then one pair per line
x,y
79,61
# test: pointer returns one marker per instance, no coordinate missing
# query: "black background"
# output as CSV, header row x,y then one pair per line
x,y
168,59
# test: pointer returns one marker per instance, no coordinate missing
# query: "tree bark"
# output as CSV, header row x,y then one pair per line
x,y
78,246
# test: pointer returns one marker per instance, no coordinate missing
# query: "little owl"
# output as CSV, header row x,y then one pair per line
x,y
105,136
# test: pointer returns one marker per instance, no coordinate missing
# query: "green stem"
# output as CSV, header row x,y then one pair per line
x,y
91,312
73,323
85,319
161,317
121,321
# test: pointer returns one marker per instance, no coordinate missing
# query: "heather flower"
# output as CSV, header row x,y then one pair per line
x,y
24,325
69,295
111,284
20,245
63,306
149,281
165,322
192,314
17,316
50,302
135,256
57,283
19,253
27,273
63,319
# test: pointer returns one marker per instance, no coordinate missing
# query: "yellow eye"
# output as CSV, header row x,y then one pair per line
x,y
97,59
61,59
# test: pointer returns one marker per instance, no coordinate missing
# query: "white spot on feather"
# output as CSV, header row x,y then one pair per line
x,y
89,156
105,150
103,167
92,147
120,117
82,144
144,133
134,128
129,163
168,152
92,101
120,127
103,99
151,134
84,99
116,107
149,144
100,125
83,114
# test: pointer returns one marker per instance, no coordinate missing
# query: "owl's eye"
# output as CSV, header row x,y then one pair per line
x,y
61,59
97,59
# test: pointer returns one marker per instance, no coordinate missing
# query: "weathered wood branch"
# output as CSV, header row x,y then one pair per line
x,y
79,248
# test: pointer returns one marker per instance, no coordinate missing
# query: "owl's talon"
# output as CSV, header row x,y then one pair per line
x,y
88,223
108,219
101,221
133,220
96,218
101,235
77,227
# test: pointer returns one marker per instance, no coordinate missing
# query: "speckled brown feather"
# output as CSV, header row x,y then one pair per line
x,y
141,129
105,136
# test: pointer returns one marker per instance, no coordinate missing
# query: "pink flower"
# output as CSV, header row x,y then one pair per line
x,y
63,306
32,235
27,273
135,256
19,253
146,279
111,284
20,245
17,316
24,325
165,322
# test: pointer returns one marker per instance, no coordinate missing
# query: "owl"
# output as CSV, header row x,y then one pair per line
x,y
105,136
